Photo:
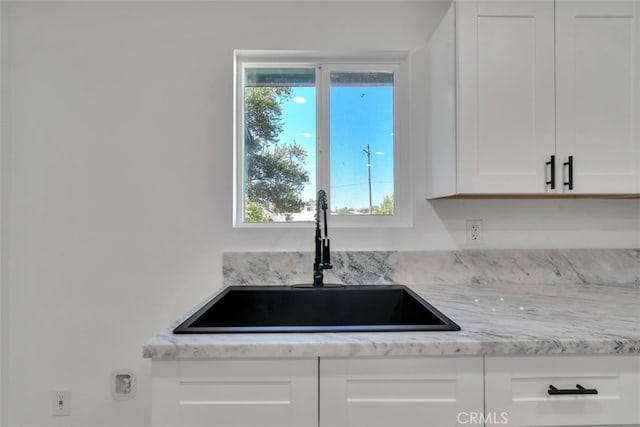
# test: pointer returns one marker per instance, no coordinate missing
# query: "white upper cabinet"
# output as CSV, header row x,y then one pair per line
x,y
521,93
597,94
506,106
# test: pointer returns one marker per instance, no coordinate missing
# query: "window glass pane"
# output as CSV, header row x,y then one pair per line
x,y
361,141
279,144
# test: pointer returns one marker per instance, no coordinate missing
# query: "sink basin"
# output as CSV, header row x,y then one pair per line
x,y
252,309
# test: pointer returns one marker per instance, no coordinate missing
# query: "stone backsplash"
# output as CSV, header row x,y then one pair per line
x,y
424,268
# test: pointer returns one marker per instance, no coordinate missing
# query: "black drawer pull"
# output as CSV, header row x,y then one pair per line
x,y
553,391
552,172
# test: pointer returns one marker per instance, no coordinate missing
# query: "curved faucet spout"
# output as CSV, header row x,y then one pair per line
x,y
322,200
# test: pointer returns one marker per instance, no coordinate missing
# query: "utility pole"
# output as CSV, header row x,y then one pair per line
x,y
367,151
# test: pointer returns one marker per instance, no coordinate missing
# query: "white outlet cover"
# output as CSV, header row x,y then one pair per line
x,y
471,224
124,385
64,395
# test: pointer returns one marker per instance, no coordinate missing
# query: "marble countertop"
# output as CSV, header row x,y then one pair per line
x,y
495,320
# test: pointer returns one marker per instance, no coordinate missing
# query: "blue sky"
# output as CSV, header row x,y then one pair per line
x,y
359,116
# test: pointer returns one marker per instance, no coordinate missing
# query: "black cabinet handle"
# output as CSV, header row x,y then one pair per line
x,y
553,391
552,171
569,165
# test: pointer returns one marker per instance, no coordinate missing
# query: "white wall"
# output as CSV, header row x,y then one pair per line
x,y
3,214
121,181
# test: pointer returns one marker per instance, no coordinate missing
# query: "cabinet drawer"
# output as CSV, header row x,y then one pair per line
x,y
235,393
520,387
399,391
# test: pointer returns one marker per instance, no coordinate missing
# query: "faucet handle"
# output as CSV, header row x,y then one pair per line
x,y
326,255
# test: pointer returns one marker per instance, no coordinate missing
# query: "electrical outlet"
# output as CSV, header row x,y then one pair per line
x,y
474,231
61,400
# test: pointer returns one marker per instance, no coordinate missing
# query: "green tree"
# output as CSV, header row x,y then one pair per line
x,y
254,212
275,172
385,208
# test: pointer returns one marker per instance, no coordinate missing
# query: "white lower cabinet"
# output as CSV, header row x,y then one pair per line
x,y
331,392
510,391
560,390
399,391
234,393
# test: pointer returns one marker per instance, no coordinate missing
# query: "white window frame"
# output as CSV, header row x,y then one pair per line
x,y
397,62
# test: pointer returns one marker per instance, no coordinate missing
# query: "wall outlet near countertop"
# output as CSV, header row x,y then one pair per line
x,y
474,231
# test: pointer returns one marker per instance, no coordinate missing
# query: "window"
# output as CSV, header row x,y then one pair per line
x,y
310,125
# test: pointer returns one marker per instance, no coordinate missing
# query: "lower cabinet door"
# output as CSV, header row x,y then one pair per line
x,y
400,391
234,393
565,390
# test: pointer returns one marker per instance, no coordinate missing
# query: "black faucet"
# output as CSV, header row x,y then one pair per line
x,y
322,259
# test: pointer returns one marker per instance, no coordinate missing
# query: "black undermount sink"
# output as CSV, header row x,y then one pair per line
x,y
379,308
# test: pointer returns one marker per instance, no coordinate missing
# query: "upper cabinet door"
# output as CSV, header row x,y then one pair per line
x,y
506,114
597,94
